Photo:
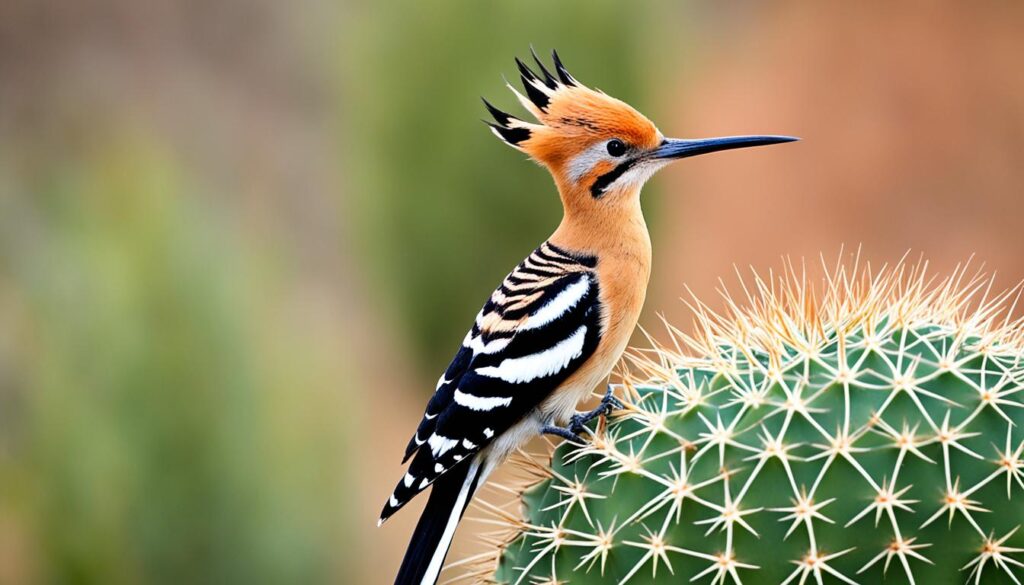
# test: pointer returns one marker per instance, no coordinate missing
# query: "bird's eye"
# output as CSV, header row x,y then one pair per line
x,y
616,147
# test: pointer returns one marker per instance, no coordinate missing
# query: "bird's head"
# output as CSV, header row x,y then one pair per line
x,y
599,149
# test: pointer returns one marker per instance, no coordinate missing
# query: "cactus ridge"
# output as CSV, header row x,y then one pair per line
x,y
867,431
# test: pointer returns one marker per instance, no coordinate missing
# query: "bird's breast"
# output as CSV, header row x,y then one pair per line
x,y
622,281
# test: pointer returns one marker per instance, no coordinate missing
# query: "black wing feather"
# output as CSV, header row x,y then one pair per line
x,y
450,431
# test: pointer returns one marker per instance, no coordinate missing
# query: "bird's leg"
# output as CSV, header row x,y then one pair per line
x,y
578,422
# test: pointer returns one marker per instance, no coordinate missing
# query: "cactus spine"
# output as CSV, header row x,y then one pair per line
x,y
865,432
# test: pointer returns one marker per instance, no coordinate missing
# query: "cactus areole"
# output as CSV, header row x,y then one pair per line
x,y
868,430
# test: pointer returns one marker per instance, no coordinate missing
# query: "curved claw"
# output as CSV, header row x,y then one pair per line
x,y
610,402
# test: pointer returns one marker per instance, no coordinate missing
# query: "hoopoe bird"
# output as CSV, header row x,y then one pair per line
x,y
556,325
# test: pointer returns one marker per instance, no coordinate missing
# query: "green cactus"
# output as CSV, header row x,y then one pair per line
x,y
867,432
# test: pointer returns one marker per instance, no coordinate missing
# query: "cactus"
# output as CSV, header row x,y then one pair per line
x,y
865,432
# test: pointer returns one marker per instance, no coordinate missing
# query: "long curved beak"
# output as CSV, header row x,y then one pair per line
x,y
673,148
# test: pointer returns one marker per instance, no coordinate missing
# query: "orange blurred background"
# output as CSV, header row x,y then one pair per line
x,y
238,241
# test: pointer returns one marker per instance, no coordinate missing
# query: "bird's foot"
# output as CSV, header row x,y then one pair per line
x,y
578,422
609,403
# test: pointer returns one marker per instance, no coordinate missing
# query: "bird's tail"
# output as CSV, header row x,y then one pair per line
x,y
429,545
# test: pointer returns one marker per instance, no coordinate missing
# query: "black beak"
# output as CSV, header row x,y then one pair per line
x,y
675,148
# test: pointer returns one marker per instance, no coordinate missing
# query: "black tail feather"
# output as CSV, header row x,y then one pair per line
x,y
429,545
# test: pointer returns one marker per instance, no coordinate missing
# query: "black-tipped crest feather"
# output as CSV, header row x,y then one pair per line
x,y
502,118
549,80
538,97
537,91
525,71
563,74
512,136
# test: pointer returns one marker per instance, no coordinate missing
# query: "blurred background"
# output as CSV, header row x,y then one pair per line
x,y
240,239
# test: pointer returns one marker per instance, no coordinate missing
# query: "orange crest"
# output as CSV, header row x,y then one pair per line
x,y
571,117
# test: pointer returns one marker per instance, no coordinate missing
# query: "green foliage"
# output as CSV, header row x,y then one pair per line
x,y
880,443
161,425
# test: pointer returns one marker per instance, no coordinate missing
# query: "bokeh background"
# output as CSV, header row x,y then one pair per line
x,y
239,239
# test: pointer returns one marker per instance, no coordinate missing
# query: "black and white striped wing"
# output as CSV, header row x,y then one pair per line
x,y
535,331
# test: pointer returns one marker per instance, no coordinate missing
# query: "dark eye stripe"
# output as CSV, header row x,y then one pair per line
x,y
604,181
